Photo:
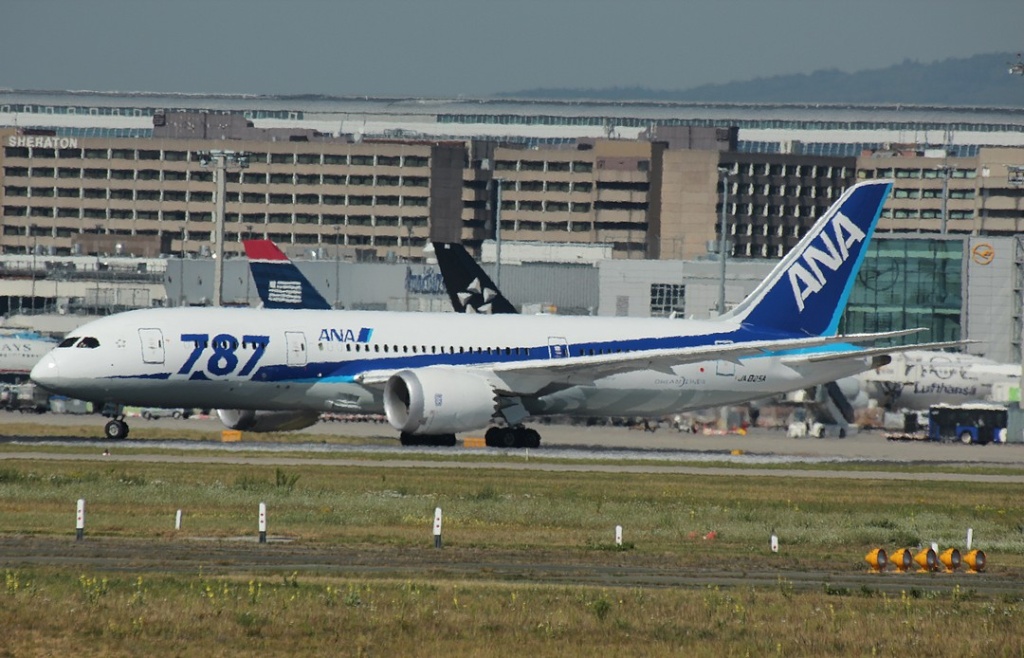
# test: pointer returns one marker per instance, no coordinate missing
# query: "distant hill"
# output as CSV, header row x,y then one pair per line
x,y
981,80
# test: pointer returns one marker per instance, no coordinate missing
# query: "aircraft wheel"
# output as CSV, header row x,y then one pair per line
x,y
528,438
966,438
492,437
501,437
447,440
409,439
116,429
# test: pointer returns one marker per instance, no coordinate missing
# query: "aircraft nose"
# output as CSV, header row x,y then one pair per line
x,y
46,373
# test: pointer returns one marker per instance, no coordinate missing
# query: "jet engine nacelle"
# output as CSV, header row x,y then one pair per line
x,y
438,401
266,421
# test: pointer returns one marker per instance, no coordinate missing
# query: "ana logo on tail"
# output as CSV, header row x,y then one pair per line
x,y
806,276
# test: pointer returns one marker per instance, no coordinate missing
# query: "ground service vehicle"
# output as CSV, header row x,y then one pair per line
x,y
968,423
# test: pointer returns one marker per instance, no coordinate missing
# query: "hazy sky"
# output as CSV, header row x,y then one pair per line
x,y
475,47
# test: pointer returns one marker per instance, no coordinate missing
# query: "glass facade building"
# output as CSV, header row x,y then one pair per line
x,y
906,283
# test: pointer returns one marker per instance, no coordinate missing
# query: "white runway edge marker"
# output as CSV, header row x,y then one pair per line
x,y
437,527
80,520
177,520
970,538
775,542
263,523
618,535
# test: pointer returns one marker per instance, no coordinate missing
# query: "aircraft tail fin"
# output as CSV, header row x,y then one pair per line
x,y
279,282
468,286
807,291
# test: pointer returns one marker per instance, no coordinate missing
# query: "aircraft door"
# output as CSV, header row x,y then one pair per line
x,y
722,367
296,345
558,348
152,345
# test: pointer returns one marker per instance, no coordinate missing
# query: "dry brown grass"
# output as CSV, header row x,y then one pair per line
x,y
54,612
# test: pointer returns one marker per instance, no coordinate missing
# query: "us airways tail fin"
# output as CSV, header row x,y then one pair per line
x,y
469,288
807,292
278,282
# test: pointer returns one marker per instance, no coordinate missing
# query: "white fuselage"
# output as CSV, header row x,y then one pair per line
x,y
19,353
917,379
312,360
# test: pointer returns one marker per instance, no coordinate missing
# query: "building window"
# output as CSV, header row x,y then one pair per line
x,y
667,298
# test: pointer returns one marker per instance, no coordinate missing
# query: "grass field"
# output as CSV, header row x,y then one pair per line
x,y
822,524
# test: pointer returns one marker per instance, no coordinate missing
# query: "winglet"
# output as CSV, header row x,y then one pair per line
x,y
807,291
279,282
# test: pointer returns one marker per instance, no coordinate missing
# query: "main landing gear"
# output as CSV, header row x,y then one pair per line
x,y
446,440
512,437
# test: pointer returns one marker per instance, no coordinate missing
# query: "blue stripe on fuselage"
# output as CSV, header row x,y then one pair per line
x,y
346,369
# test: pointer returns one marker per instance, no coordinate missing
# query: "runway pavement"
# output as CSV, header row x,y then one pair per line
x,y
667,444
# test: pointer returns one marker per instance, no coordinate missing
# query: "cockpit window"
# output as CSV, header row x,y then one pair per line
x,y
68,342
89,342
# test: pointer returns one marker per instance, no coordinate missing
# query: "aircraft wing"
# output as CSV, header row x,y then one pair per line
x,y
525,378
821,357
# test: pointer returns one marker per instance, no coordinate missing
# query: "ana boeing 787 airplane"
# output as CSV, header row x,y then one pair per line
x,y
436,374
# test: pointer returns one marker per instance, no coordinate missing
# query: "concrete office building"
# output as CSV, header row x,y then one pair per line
x,y
805,128
370,201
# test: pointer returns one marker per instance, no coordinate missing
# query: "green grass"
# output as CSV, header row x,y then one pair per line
x,y
566,517
492,508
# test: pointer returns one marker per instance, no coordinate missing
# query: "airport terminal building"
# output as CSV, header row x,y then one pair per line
x,y
345,182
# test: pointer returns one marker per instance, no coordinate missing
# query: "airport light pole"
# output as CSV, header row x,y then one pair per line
x,y
497,232
723,173
248,274
946,171
220,161
337,266
32,230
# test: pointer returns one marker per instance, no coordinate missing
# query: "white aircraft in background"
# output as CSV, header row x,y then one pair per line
x,y
20,351
436,374
917,379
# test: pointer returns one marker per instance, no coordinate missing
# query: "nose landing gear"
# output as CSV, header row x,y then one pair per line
x,y
116,429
